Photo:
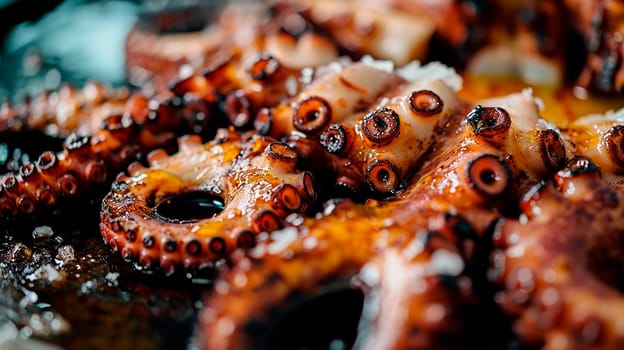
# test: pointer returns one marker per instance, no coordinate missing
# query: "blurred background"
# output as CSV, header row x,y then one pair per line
x,y
44,43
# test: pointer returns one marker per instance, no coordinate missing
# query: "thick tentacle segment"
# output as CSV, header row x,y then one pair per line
x,y
560,264
301,261
387,141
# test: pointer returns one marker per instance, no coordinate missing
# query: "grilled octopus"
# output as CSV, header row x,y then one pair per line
x,y
437,176
417,239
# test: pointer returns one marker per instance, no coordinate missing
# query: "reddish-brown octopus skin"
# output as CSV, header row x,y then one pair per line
x,y
456,192
253,177
560,264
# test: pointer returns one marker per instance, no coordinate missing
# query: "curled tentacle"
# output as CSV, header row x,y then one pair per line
x,y
247,187
564,289
118,134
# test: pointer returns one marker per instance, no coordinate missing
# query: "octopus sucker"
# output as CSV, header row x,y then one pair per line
x,y
565,291
338,92
185,213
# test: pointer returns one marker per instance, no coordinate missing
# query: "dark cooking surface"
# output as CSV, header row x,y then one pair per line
x,y
68,288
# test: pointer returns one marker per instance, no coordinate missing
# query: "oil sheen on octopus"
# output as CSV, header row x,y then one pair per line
x,y
407,253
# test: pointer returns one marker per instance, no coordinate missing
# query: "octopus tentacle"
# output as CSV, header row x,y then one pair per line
x,y
330,98
53,175
539,148
388,142
276,270
432,302
141,123
599,138
564,289
250,183
90,159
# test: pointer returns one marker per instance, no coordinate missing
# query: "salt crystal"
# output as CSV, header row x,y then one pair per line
x,y
42,232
